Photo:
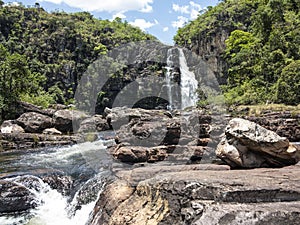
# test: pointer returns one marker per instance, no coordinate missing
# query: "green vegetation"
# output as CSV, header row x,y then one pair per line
x,y
43,55
259,110
262,51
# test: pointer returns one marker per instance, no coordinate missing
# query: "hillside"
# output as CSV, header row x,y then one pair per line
x,y
253,46
43,55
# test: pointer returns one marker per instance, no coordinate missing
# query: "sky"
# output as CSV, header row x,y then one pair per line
x,y
160,18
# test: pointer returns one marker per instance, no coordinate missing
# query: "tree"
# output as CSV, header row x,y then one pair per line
x,y
288,86
15,80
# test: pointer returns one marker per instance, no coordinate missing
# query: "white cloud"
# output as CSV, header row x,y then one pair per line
x,y
192,9
107,5
146,9
12,4
166,29
181,9
143,24
180,22
120,15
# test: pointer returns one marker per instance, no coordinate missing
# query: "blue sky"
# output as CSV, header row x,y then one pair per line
x,y
160,18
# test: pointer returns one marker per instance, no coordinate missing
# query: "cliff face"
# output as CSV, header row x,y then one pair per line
x,y
62,45
207,34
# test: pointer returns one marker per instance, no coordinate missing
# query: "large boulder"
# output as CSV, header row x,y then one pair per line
x,y
59,182
68,120
116,117
15,198
247,144
33,122
95,123
10,126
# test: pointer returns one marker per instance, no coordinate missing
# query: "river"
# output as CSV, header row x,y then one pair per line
x,y
88,166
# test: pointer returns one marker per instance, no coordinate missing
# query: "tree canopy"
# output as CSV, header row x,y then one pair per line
x,y
262,51
58,46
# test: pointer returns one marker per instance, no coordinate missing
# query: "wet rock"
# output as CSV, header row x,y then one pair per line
x,y
94,124
68,120
34,122
61,183
26,141
10,126
52,131
247,144
15,198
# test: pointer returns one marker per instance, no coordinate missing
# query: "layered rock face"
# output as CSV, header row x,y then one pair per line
x,y
172,192
55,126
201,195
158,135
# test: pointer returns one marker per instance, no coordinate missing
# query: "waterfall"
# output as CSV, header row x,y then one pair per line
x,y
169,77
189,84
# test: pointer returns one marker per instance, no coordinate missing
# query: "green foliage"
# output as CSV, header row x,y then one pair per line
x,y
262,51
56,46
42,98
15,80
288,85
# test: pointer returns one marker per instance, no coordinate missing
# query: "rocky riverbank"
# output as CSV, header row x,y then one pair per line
x,y
178,190
163,171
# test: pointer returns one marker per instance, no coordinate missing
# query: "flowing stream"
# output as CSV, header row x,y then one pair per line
x,y
88,166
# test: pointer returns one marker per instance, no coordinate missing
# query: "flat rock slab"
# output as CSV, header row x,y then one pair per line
x,y
220,196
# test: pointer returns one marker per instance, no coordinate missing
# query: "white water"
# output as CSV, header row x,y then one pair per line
x,y
54,208
189,84
169,77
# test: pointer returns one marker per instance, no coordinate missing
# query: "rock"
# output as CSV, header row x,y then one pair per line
x,y
258,196
25,107
170,153
119,116
136,154
285,124
10,126
94,124
27,141
52,131
247,144
34,122
15,198
68,120
59,182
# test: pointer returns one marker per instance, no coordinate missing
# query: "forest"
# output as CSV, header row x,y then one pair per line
x,y
43,55
261,53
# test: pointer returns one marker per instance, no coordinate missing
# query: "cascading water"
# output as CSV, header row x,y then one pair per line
x,y
188,83
88,165
169,77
